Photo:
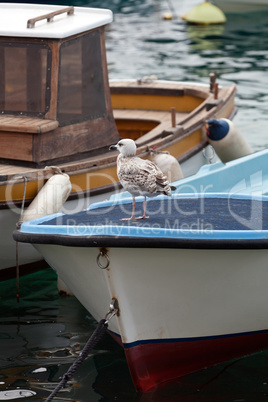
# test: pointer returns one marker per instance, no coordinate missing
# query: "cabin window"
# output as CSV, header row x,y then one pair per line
x,y
24,78
81,86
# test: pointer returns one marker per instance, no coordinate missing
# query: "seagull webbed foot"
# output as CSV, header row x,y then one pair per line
x,y
132,218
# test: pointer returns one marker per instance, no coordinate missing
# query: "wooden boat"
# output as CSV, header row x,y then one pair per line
x,y
190,283
241,5
58,108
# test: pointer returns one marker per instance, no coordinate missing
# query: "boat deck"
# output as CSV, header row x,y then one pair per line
x,y
177,213
182,221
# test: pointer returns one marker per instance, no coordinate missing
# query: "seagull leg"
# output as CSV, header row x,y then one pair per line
x,y
144,210
133,212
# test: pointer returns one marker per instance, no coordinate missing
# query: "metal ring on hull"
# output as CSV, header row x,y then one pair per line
x,y
103,254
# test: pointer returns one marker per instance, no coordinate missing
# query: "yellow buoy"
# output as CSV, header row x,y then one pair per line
x,y
205,14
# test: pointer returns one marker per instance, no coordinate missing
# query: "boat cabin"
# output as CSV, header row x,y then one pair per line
x,y
54,91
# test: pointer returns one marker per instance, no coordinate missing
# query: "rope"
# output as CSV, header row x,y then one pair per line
x,y
91,343
18,225
17,273
54,169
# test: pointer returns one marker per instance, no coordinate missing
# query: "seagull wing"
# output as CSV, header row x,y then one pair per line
x,y
142,176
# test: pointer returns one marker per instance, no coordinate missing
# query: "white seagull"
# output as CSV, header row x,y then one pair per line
x,y
139,176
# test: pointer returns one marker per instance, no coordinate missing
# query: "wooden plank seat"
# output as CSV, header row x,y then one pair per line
x,y
25,124
161,118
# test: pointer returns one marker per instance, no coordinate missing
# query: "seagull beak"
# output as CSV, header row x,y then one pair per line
x,y
113,148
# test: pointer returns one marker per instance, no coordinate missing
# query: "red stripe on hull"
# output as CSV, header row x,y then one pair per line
x,y
153,364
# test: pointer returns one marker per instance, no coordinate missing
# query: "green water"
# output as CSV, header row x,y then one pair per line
x,y
42,335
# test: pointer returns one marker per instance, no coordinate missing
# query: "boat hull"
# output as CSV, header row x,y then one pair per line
x,y
180,309
180,358
28,258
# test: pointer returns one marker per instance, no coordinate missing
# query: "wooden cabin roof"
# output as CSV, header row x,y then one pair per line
x,y
74,20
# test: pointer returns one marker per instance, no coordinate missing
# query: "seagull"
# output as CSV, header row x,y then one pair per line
x,y
139,176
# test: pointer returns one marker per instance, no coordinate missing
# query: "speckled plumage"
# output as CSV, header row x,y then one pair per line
x,y
139,176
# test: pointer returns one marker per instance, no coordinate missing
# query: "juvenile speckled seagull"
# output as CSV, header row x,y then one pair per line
x,y
139,176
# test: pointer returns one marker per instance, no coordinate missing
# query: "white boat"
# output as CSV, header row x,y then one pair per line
x,y
190,282
48,80
241,5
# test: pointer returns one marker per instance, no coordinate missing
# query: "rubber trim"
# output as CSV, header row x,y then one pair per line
x,y
139,242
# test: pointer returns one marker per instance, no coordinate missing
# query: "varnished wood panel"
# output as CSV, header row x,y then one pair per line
x,y
16,146
74,140
52,112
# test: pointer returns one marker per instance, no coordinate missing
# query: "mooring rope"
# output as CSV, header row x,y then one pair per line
x,y
91,343
18,225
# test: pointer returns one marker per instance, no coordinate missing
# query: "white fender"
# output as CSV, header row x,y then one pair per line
x,y
50,198
226,139
168,164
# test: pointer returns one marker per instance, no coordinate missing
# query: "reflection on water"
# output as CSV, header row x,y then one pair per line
x,y
15,394
42,335
205,37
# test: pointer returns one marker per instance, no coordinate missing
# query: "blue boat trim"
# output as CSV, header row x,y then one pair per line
x,y
189,216
189,339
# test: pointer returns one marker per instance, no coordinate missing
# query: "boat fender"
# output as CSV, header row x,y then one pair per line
x,y
167,163
226,139
51,197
